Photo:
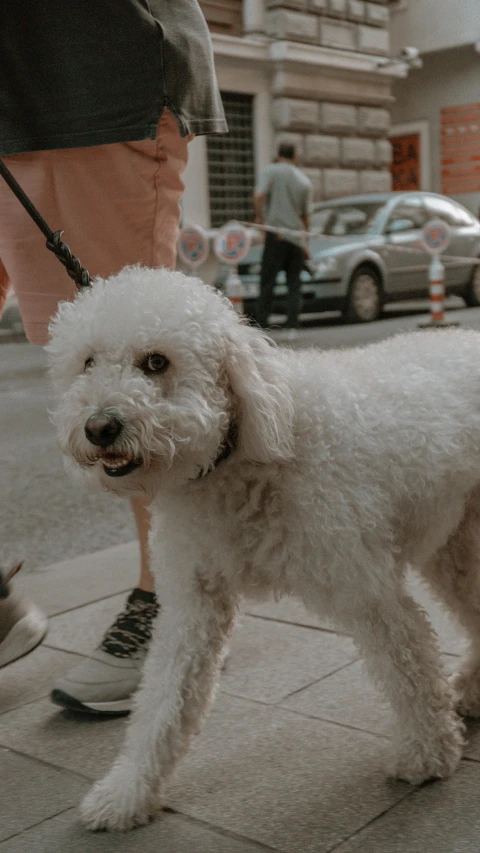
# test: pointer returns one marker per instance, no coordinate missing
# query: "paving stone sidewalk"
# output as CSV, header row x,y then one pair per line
x,y
291,759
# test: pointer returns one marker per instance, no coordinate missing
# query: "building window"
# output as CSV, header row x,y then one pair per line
x,y
231,164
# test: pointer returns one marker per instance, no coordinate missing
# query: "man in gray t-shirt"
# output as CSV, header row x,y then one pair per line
x,y
282,200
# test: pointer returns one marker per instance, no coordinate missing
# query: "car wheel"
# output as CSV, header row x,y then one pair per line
x,y
472,293
364,300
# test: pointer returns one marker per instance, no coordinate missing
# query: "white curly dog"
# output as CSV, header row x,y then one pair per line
x,y
317,474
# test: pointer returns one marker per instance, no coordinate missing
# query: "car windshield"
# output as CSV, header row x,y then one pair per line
x,y
343,220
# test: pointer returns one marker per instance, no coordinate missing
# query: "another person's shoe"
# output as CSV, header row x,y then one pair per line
x,y
104,683
23,626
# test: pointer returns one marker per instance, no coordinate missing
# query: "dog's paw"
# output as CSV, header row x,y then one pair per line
x,y
419,761
118,802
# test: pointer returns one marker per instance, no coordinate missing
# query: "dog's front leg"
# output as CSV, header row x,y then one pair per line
x,y
178,681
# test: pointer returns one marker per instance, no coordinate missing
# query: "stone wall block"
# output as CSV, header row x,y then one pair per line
x,y
301,5
356,10
318,6
294,26
339,182
383,152
295,114
376,15
339,34
358,152
374,181
338,118
337,8
373,121
373,40
322,150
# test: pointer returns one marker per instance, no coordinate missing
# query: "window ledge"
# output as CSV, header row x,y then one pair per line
x,y
264,50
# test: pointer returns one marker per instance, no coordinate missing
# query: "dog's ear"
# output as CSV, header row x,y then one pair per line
x,y
260,381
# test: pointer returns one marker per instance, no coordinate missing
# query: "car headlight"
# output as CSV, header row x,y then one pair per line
x,y
326,266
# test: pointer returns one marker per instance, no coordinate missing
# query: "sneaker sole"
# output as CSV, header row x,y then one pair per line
x,y
100,709
24,637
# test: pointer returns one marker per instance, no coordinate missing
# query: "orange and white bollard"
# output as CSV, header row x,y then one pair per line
x,y
435,240
234,290
436,287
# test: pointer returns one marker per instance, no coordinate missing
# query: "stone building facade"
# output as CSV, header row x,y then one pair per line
x,y
315,72
337,116
436,113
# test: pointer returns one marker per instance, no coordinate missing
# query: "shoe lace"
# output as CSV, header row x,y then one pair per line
x,y
132,629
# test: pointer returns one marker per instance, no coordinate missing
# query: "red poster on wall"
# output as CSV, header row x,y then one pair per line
x,y
460,149
405,166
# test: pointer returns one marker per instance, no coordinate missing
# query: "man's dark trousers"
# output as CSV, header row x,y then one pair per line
x,y
280,254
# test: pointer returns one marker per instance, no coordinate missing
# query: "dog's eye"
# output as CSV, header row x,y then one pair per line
x,y
88,364
155,362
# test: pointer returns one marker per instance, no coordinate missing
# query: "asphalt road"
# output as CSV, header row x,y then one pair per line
x,y
45,518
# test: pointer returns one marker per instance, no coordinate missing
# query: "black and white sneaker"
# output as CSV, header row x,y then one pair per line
x,y
105,682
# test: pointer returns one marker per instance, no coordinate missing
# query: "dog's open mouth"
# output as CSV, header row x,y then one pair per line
x,y
118,464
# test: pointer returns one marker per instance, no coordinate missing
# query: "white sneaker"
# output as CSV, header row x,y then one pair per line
x,y
23,626
104,683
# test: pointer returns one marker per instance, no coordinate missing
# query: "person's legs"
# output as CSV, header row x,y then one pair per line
x,y
126,641
295,259
119,204
272,263
141,512
171,156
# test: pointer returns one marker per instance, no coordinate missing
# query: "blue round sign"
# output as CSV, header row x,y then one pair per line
x,y
436,236
193,246
232,243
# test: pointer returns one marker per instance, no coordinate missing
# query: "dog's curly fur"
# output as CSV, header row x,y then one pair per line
x,y
347,467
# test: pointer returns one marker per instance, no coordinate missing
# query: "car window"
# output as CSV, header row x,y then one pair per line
x,y
408,215
441,208
462,216
343,220
319,219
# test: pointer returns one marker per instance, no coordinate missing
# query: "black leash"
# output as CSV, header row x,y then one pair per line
x,y
54,238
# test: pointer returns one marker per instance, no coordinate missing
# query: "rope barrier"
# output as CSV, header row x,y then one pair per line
x,y
419,250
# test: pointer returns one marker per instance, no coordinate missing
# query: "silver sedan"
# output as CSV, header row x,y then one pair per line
x,y
368,252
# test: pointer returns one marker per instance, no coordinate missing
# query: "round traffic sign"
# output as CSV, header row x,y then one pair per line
x,y
232,243
436,236
193,246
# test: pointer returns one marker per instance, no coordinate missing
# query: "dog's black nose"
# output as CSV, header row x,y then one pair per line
x,y
103,430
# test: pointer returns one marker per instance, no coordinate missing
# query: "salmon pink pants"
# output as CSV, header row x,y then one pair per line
x,y
117,204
